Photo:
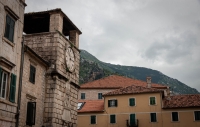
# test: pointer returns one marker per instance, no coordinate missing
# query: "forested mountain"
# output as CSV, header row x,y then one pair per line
x,y
92,69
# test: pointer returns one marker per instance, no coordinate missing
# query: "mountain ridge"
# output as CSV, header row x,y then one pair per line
x,y
92,69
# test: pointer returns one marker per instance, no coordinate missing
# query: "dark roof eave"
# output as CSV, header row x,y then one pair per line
x,y
90,111
55,10
181,107
136,93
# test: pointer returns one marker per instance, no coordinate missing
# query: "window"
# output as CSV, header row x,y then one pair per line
x,y
80,105
30,116
152,100
32,74
112,103
99,95
3,83
132,119
174,116
82,95
93,119
153,117
4,77
197,115
112,119
131,101
9,30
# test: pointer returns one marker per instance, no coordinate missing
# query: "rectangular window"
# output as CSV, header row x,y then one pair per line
x,y
9,30
132,119
82,95
112,103
112,119
152,100
99,95
32,74
3,83
197,115
174,116
131,101
30,116
4,77
93,119
153,117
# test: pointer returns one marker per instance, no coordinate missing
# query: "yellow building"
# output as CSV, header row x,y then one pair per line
x,y
139,106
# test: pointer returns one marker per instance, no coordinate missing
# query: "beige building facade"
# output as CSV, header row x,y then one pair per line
x,y
11,28
137,106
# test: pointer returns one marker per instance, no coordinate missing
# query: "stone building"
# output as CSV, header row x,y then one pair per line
x,y
11,28
54,37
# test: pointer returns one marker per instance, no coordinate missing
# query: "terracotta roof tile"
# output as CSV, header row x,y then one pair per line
x,y
182,101
115,81
133,90
92,106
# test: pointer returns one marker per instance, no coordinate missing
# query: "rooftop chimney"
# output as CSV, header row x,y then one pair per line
x,y
148,82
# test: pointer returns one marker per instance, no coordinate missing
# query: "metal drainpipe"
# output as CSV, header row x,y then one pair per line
x,y
20,83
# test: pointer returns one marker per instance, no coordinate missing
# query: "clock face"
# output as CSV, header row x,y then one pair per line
x,y
70,59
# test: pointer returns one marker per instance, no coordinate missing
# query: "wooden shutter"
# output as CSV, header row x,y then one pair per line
x,y
116,103
112,118
93,119
153,117
132,119
109,103
12,88
32,74
152,100
132,102
30,116
10,24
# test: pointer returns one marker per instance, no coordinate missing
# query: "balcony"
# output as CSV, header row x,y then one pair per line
x,y
133,123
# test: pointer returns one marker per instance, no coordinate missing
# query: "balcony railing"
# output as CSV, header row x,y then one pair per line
x,y
132,123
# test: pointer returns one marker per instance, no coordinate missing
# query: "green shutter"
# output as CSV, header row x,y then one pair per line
x,y
12,24
12,88
132,102
132,119
9,31
116,103
30,116
153,117
112,119
109,103
32,74
152,100
93,120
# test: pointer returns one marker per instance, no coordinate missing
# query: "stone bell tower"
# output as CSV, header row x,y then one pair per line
x,y
53,36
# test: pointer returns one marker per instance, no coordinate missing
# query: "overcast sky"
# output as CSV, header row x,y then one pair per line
x,y
163,35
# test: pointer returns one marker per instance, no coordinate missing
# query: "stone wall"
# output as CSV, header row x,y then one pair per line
x,y
33,92
61,87
11,52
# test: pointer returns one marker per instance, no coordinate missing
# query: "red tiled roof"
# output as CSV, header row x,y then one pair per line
x,y
115,81
133,90
92,106
182,101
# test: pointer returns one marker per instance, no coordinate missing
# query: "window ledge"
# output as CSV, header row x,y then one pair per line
x,y
7,102
175,121
9,42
